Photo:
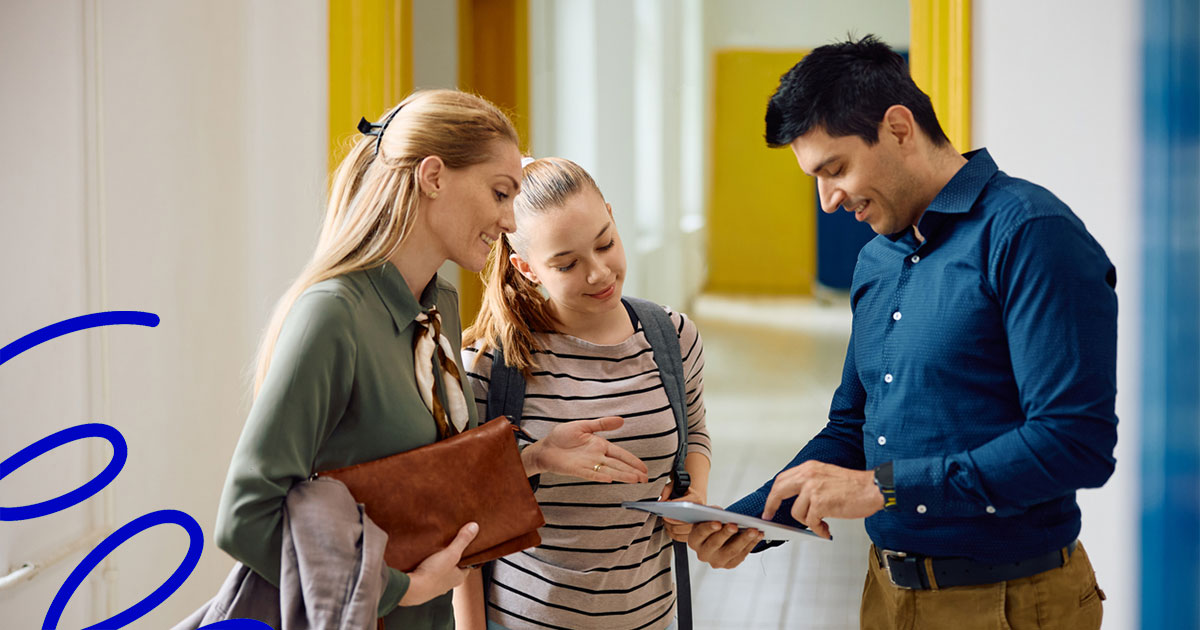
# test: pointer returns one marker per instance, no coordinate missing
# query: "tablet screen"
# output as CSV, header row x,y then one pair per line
x,y
689,512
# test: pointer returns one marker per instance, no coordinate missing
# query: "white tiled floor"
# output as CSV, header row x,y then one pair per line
x,y
771,368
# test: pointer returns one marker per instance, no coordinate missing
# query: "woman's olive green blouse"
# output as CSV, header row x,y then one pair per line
x,y
340,390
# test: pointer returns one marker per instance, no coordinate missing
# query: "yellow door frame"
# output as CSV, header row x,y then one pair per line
x,y
370,65
493,62
939,59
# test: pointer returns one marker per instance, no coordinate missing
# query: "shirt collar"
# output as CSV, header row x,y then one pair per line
x,y
958,196
964,188
396,296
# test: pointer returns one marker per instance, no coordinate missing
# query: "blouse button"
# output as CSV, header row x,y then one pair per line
x,y
921,509
887,378
991,510
915,259
882,440
896,316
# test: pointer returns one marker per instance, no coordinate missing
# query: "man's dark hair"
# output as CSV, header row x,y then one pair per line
x,y
845,89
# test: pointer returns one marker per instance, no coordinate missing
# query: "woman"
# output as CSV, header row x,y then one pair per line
x,y
337,382
582,355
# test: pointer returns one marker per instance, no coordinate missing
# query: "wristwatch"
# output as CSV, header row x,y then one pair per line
x,y
885,481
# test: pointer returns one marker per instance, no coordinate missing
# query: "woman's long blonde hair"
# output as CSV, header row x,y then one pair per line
x,y
373,198
513,308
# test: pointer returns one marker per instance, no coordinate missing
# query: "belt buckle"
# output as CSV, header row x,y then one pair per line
x,y
887,556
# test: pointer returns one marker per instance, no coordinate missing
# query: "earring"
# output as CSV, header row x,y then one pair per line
x,y
433,195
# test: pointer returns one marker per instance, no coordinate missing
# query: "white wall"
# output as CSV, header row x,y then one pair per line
x,y
1061,107
803,23
435,64
166,157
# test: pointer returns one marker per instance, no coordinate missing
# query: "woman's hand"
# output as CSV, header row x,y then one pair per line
x,y
574,449
678,530
439,572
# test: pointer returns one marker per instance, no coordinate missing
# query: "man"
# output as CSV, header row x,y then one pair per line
x,y
978,389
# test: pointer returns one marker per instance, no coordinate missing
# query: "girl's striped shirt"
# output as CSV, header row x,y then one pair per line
x,y
599,565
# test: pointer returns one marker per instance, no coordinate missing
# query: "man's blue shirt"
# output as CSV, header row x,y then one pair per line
x,y
982,363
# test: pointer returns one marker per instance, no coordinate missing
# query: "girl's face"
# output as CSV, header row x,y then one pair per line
x,y
576,254
474,205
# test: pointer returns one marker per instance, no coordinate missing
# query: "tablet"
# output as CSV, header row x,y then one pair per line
x,y
689,512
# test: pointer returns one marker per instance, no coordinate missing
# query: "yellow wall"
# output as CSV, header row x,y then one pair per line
x,y
762,221
493,62
370,65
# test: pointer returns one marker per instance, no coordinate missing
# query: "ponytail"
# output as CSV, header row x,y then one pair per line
x,y
513,310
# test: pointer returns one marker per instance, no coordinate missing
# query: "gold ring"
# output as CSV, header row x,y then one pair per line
x,y
596,468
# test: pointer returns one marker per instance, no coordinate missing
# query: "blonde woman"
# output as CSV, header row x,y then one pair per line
x,y
583,355
339,380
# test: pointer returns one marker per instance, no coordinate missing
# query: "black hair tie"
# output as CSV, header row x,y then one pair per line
x,y
368,128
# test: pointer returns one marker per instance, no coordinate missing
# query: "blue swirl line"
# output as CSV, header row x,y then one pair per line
x,y
78,495
68,326
107,546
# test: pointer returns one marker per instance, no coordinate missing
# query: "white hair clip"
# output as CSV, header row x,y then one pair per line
x,y
526,161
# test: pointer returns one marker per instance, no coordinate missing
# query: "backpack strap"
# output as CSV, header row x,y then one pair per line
x,y
506,389
664,342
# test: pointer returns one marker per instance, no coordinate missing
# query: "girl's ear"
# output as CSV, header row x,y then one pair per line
x,y
609,206
429,176
523,268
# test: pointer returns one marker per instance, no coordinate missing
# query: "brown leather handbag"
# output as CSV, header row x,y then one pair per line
x,y
422,497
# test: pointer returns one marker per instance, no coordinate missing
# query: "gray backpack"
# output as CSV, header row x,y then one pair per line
x,y
506,397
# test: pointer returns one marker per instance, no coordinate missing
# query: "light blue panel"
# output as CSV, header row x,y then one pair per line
x,y
1171,335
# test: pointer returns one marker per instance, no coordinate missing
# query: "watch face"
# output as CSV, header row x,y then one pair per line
x,y
884,477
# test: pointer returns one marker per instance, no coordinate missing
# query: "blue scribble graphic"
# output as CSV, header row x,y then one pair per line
x,y
68,326
107,476
78,495
114,540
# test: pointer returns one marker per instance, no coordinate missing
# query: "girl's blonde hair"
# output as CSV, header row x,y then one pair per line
x,y
373,199
513,307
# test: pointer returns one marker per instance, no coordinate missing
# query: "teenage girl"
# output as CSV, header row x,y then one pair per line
x,y
553,300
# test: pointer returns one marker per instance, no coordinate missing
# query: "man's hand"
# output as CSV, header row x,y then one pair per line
x,y
678,530
722,546
824,491
574,449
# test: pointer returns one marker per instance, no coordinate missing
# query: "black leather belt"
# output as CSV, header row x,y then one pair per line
x,y
913,572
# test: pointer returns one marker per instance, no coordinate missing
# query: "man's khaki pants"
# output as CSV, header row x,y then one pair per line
x,y
1065,598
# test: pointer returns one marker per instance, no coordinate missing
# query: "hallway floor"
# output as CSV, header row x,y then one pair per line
x,y
772,366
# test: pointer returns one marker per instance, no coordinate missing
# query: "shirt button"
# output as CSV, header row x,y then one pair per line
x,y
991,510
921,509
915,259
887,378
882,440
896,316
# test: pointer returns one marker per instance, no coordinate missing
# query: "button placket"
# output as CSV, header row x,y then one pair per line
x,y
897,298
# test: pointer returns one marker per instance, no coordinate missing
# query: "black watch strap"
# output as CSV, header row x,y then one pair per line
x,y
885,481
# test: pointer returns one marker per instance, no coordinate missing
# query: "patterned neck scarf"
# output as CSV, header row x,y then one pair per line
x,y
427,344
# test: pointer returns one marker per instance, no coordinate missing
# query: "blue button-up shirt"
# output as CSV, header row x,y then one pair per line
x,y
982,363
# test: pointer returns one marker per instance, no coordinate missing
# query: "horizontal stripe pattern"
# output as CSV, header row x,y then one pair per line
x,y
599,565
